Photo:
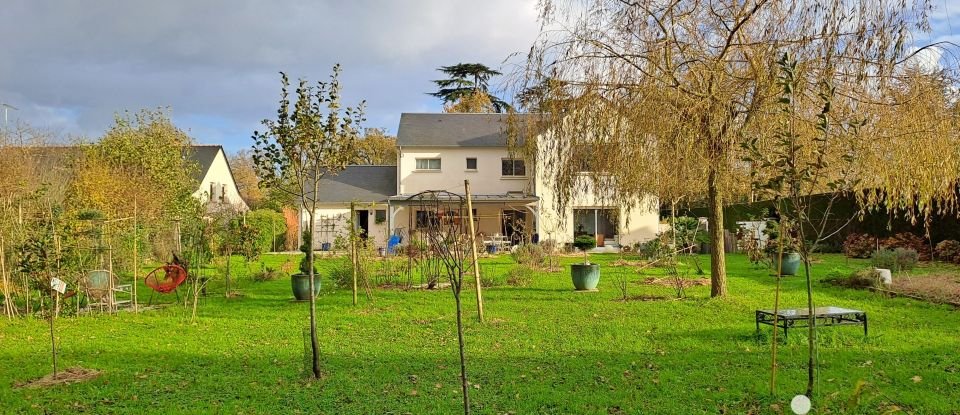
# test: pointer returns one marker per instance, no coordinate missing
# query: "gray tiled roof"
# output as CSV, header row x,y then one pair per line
x,y
203,155
359,184
453,130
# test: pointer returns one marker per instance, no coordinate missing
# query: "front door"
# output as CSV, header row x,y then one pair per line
x,y
363,223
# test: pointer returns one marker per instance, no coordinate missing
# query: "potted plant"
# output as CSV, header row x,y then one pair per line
x,y
300,282
789,264
586,275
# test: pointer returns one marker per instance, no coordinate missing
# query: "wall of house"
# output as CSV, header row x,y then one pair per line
x,y
338,216
637,223
219,181
487,179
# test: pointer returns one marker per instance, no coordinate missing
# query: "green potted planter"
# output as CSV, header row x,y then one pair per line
x,y
300,282
790,263
585,276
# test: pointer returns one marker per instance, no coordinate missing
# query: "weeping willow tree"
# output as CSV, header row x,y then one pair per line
x,y
654,97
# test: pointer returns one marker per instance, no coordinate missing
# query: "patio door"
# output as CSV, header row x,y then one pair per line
x,y
514,225
595,222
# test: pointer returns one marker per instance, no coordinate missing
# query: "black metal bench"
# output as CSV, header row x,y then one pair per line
x,y
823,316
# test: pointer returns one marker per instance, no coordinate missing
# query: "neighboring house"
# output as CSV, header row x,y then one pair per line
x,y
217,187
369,187
511,199
53,165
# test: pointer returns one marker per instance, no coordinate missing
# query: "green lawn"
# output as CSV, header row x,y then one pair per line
x,y
544,349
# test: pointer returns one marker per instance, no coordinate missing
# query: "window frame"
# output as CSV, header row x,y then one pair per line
x,y
513,167
475,164
427,160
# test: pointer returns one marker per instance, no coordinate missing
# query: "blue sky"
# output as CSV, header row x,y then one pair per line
x,y
70,65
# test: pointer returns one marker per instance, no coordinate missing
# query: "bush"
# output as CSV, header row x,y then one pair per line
x,y
906,258
271,228
900,259
948,251
266,274
529,254
585,242
860,279
520,276
858,245
908,240
342,273
651,249
884,258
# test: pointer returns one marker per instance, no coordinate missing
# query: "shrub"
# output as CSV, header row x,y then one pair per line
x,y
860,279
271,228
900,259
948,251
906,258
653,249
858,245
585,242
266,274
342,273
529,254
305,248
520,276
908,241
884,258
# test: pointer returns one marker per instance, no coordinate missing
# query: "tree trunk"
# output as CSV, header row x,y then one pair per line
x,y
229,257
353,248
812,329
53,339
314,343
463,359
718,263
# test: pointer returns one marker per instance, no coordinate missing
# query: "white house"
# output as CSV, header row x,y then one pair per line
x,y
217,187
512,200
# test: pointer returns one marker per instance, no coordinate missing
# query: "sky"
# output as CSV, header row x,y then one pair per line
x,y
69,66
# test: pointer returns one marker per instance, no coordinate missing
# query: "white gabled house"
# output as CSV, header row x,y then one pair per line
x,y
217,187
512,200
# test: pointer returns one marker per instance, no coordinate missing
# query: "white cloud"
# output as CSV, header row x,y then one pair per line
x,y
215,63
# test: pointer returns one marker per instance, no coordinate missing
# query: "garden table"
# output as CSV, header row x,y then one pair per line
x,y
824,316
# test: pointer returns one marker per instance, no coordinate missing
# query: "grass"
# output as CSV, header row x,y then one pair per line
x,y
544,349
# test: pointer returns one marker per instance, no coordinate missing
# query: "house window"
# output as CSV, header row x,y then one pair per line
x,y
380,216
513,167
471,163
428,164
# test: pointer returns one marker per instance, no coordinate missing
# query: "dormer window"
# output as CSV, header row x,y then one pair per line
x,y
428,164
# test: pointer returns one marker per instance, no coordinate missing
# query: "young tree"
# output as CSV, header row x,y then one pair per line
x,y
316,137
799,162
446,234
608,73
468,83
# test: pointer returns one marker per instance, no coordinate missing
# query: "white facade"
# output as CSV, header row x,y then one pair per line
x,y
485,179
219,185
513,200
333,224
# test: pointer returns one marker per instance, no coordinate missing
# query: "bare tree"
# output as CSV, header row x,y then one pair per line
x,y
446,230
